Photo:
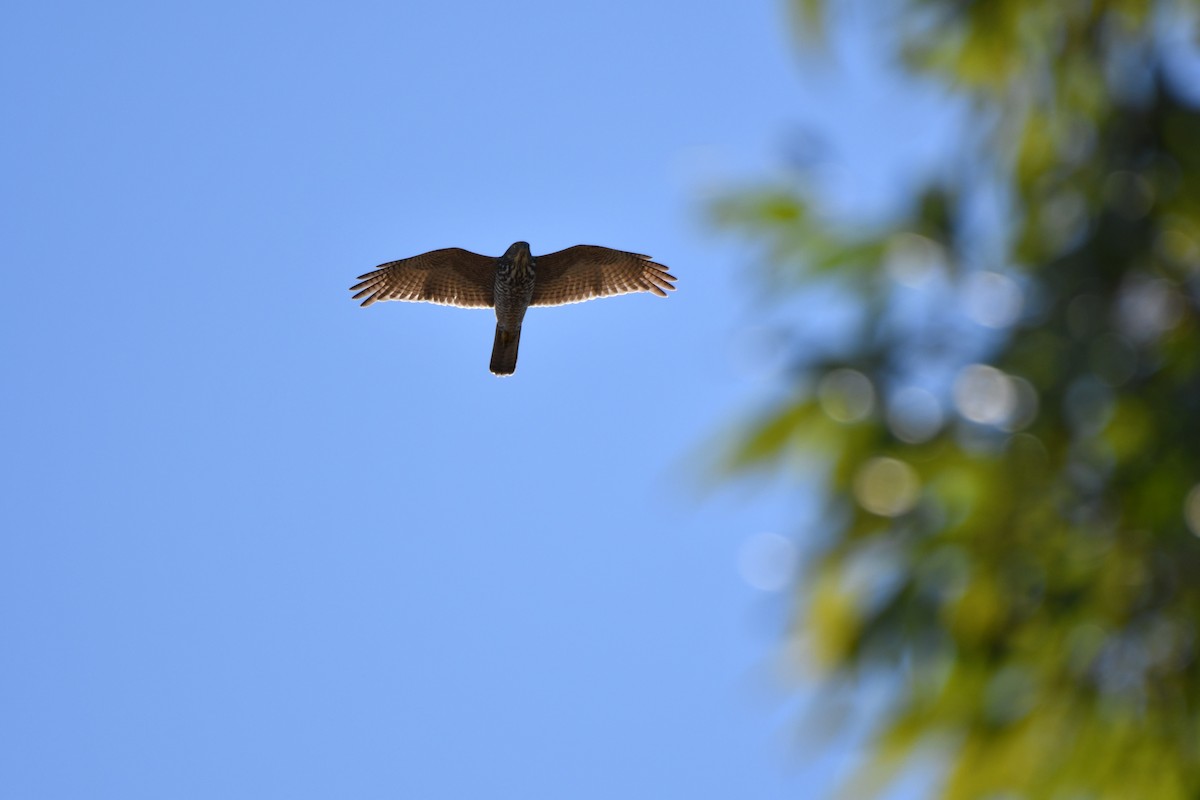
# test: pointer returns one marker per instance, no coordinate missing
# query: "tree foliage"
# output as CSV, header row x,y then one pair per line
x,y
1013,462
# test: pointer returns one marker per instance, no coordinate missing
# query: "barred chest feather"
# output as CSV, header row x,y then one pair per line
x,y
514,291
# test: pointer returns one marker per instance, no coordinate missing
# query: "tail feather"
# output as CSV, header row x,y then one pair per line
x,y
504,351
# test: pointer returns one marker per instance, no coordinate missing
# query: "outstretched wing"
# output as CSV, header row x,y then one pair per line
x,y
450,277
585,271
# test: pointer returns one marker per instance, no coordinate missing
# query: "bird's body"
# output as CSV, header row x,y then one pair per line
x,y
512,283
515,279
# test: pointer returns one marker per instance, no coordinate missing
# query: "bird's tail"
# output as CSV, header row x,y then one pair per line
x,y
504,351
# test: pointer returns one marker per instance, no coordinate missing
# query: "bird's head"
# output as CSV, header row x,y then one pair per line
x,y
518,252
518,257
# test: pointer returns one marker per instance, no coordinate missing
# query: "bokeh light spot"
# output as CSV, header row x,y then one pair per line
x,y
984,394
1009,695
1025,405
1089,405
914,415
846,395
913,259
1178,248
887,487
1083,646
767,561
760,352
1129,194
1147,308
992,299
1191,509
1063,218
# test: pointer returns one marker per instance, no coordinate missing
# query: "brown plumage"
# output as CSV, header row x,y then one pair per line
x,y
512,283
450,277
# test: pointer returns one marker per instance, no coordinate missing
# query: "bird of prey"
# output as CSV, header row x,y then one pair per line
x,y
512,283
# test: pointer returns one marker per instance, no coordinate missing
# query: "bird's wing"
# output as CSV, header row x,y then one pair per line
x,y
450,277
585,271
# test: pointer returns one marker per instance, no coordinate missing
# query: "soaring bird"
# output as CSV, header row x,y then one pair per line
x,y
512,283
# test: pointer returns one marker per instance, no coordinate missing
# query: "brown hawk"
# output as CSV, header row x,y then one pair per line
x,y
512,283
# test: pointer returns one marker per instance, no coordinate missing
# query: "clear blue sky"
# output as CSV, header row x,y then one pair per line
x,y
261,543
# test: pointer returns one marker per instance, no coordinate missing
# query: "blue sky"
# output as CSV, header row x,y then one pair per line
x,y
259,542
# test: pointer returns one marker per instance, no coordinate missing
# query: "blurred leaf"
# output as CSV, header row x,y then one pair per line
x,y
808,20
770,437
